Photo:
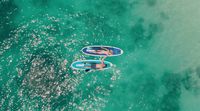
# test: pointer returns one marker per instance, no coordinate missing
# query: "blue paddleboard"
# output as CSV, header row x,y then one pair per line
x,y
86,64
96,50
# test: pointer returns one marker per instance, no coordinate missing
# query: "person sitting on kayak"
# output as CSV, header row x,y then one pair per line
x,y
103,50
99,66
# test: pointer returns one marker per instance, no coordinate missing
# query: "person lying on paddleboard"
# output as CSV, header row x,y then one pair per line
x,y
103,50
96,66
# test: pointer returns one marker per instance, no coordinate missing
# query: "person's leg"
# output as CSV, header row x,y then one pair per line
x,y
93,66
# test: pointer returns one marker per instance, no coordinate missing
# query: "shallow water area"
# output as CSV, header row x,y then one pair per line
x,y
159,70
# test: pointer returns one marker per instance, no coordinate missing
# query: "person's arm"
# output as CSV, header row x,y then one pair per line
x,y
102,60
105,48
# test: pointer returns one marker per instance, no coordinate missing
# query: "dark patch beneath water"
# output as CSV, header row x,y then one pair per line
x,y
142,33
40,3
114,7
151,2
191,80
149,93
170,100
8,10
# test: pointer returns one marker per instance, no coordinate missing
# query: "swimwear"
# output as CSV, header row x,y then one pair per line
x,y
93,65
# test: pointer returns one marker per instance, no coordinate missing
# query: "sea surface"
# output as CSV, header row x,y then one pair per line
x,y
159,70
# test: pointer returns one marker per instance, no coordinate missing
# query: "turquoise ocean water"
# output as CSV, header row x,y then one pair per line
x,y
159,70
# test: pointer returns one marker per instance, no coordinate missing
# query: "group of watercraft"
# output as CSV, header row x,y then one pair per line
x,y
100,51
